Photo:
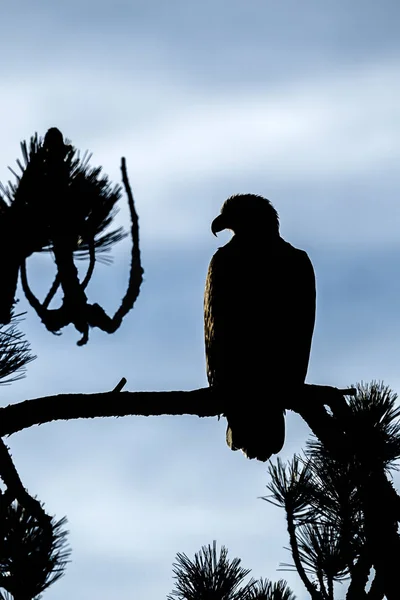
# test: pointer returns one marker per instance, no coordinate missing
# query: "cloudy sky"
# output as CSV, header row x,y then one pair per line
x,y
296,101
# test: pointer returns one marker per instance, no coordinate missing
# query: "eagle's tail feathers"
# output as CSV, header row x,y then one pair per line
x,y
260,438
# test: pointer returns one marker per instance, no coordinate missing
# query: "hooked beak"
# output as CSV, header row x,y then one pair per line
x,y
218,224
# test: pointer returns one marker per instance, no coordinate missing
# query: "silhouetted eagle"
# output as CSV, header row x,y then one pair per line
x,y
259,314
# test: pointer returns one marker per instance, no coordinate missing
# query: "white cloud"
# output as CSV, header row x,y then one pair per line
x,y
179,142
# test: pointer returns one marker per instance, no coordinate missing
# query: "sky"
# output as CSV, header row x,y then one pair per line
x,y
295,101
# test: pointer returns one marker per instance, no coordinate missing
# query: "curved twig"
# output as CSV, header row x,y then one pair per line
x,y
30,296
136,270
52,319
92,264
95,314
51,293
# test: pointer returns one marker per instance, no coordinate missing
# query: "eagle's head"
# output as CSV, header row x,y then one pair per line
x,y
246,214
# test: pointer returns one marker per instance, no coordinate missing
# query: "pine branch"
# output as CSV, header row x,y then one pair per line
x,y
311,589
14,353
381,510
136,270
359,576
203,402
16,490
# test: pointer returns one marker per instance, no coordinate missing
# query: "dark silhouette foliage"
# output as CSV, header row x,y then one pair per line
x,y
84,214
210,576
60,204
263,589
33,548
31,557
342,512
15,353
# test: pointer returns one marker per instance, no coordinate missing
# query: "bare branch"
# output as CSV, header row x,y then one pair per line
x,y
204,402
16,490
136,271
30,296
54,287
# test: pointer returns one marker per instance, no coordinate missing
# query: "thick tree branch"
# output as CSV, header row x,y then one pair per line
x,y
204,402
377,589
380,505
359,576
310,401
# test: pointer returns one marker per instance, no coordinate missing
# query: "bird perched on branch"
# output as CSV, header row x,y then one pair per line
x,y
259,315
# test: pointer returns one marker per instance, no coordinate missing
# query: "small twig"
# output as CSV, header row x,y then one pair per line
x,y
92,264
120,385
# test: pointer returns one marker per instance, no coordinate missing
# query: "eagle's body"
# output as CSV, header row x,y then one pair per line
x,y
259,313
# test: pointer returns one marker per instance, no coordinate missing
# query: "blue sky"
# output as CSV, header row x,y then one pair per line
x,y
294,101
